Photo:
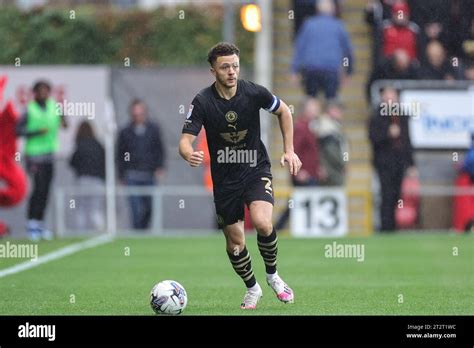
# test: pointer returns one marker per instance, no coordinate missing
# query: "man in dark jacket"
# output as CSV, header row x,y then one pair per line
x,y
392,154
398,67
140,159
437,66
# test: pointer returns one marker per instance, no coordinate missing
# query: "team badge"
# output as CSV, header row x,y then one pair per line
x,y
231,116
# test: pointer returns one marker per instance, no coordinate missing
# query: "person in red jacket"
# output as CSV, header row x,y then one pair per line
x,y
400,32
12,178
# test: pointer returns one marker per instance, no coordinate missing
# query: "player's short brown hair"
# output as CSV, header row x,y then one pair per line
x,y
222,49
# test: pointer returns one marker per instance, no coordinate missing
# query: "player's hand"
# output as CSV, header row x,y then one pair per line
x,y
292,159
196,158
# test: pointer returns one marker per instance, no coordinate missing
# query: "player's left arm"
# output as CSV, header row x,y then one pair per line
x,y
285,119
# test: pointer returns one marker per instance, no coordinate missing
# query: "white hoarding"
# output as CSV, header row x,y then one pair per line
x,y
445,119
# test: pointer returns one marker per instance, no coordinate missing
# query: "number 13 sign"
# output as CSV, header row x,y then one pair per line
x,y
318,212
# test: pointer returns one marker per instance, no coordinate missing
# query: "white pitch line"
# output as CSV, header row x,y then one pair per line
x,y
57,254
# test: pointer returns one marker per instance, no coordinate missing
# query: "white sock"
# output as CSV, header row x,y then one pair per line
x,y
255,288
271,277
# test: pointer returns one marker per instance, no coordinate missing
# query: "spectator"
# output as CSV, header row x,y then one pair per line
x,y
461,29
88,163
338,8
468,73
467,42
399,32
140,160
332,145
433,20
306,147
304,9
392,154
398,67
437,66
375,13
322,47
40,125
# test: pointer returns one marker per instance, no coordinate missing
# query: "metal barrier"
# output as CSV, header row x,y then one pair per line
x,y
359,225
158,193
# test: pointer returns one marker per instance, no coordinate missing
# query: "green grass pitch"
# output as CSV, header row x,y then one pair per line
x,y
104,281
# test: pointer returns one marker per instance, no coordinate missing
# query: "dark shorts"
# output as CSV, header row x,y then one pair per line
x,y
230,208
315,81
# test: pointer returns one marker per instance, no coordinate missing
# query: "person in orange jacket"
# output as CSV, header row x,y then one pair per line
x,y
206,163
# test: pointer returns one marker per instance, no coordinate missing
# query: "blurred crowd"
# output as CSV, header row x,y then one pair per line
x,y
421,40
412,40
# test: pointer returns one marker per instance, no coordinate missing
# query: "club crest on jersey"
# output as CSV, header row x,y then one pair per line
x,y
231,116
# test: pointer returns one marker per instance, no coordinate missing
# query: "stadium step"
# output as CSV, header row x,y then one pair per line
x,y
359,169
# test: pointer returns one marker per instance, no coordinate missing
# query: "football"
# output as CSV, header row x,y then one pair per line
x,y
168,297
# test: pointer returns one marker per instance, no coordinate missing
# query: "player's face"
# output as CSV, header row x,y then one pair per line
x,y
226,70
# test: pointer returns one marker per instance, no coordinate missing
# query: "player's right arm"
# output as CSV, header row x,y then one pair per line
x,y
192,127
186,150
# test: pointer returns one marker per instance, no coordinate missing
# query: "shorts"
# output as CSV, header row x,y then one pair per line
x,y
230,208
316,80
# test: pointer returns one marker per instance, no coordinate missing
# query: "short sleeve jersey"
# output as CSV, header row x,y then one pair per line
x,y
233,132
